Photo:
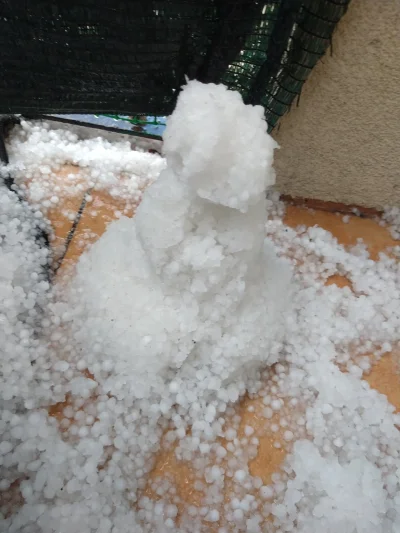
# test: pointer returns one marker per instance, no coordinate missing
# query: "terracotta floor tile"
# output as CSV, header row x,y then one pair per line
x,y
376,237
60,217
99,211
102,209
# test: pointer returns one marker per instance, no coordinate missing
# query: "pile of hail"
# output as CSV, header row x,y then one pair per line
x,y
172,321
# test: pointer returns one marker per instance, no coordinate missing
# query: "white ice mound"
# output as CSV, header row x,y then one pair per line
x,y
219,147
190,282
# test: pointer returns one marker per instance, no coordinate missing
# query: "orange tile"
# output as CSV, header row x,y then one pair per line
x,y
67,204
269,459
101,210
385,378
340,281
60,217
376,237
180,472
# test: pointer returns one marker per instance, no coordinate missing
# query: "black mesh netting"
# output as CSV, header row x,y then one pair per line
x,y
132,56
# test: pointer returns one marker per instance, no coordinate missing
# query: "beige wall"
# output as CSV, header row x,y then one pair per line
x,y
342,143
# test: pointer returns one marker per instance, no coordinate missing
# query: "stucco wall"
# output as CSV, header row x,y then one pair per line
x,y
342,143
